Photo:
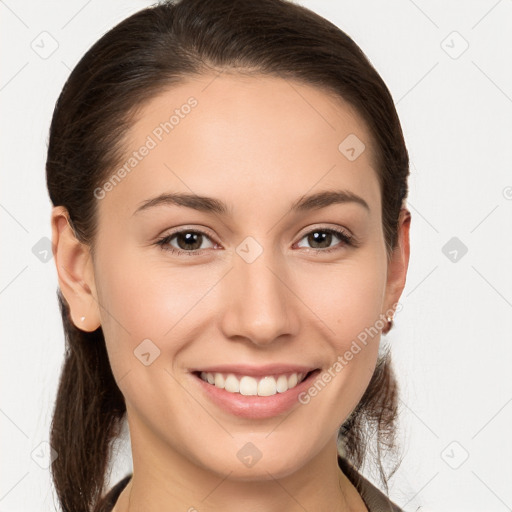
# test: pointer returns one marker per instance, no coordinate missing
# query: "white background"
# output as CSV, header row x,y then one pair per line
x,y
452,345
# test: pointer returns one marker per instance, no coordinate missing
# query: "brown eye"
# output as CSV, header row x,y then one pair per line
x,y
321,239
188,241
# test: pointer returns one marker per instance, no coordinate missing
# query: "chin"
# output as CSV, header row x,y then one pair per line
x,y
252,466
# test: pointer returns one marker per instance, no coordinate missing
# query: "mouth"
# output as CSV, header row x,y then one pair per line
x,y
251,393
248,385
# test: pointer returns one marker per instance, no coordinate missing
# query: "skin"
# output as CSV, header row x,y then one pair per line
x,y
259,144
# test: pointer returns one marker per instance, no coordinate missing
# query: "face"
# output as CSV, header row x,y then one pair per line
x,y
256,286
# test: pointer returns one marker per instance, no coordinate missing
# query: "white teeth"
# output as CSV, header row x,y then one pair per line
x,y
267,386
232,384
220,382
249,386
282,384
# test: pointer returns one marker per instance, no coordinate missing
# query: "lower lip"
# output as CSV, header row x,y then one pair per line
x,y
254,406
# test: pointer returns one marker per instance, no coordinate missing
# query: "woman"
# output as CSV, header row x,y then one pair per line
x,y
228,181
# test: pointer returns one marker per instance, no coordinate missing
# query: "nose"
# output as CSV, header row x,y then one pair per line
x,y
258,301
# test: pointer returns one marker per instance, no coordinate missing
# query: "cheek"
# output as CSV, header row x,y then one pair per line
x,y
145,313
346,298
142,296
145,298
136,304
350,307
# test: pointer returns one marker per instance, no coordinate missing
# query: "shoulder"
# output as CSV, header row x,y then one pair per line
x,y
373,497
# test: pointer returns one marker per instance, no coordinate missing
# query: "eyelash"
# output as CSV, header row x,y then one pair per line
x,y
347,240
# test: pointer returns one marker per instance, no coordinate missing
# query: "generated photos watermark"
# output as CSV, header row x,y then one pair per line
x,y
343,359
152,140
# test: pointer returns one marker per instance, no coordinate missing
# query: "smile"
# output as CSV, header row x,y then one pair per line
x,y
254,392
250,386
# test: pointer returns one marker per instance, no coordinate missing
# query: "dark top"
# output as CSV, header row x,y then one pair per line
x,y
374,499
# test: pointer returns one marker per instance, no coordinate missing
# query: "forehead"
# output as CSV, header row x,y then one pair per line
x,y
246,139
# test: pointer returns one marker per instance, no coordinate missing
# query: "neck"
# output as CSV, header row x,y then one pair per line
x,y
165,479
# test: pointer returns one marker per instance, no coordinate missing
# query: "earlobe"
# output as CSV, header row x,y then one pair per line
x,y
75,272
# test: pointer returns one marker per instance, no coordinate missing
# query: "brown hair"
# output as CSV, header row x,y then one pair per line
x,y
142,56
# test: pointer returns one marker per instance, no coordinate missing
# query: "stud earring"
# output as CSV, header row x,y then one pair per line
x,y
82,318
389,326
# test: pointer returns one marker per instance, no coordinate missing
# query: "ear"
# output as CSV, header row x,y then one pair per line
x,y
399,262
75,272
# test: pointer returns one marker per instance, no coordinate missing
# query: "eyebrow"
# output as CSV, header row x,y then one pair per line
x,y
209,204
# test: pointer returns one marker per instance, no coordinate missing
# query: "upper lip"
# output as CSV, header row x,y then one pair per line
x,y
256,371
